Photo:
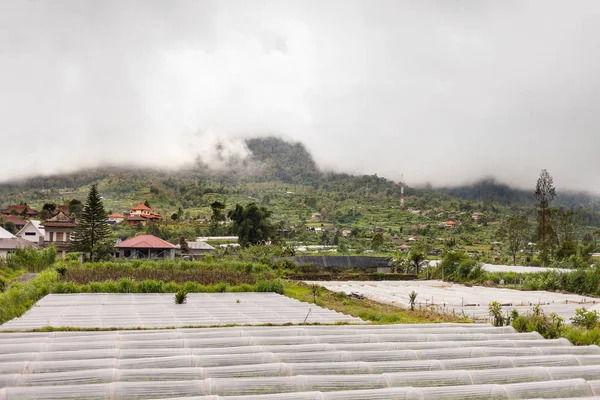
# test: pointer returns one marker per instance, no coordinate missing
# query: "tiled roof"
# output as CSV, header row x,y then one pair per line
x,y
145,242
60,219
141,207
14,219
116,215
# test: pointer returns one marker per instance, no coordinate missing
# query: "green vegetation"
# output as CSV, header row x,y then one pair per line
x,y
31,260
365,309
71,276
251,224
585,328
92,233
181,296
19,297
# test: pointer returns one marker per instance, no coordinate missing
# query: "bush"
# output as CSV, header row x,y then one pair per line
x,y
19,297
181,296
31,260
585,319
547,326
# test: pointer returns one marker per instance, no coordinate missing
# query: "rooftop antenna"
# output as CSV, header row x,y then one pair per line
x,y
402,190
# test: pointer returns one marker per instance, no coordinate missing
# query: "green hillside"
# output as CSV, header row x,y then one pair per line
x,y
283,177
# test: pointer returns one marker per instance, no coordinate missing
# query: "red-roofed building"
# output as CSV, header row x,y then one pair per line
x,y
115,218
18,209
450,224
17,221
146,246
146,212
135,220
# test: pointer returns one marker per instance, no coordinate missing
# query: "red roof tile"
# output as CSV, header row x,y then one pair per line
x,y
14,219
141,207
116,215
145,242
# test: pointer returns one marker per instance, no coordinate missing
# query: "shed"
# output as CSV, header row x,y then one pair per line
x,y
197,249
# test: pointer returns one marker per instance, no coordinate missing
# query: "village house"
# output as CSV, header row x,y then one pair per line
x,y
346,232
8,246
476,216
17,221
316,217
145,247
115,218
144,211
58,230
9,243
197,249
33,232
4,234
135,220
18,210
450,224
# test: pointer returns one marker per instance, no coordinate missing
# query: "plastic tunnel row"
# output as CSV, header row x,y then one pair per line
x,y
304,388
189,364
276,384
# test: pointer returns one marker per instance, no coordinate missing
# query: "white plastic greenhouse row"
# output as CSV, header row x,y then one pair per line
x,y
527,384
322,362
522,269
159,310
459,299
519,269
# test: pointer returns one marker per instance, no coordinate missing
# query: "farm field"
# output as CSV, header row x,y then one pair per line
x,y
460,299
157,310
433,361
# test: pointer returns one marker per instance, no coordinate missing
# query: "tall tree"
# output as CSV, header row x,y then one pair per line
x,y
184,246
92,234
545,193
217,211
567,225
515,231
75,208
251,224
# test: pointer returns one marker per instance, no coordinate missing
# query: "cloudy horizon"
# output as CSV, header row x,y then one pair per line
x,y
441,92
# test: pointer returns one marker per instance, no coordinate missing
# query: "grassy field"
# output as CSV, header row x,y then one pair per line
x,y
363,308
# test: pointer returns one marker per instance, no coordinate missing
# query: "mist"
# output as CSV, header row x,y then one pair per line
x,y
441,92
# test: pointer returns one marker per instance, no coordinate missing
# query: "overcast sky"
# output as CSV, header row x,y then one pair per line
x,y
442,91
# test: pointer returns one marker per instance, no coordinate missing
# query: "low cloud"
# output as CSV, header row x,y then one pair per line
x,y
442,92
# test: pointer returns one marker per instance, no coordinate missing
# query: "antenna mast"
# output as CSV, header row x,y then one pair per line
x,y
402,190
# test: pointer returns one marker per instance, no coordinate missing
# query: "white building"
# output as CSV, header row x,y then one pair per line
x,y
33,232
9,245
4,234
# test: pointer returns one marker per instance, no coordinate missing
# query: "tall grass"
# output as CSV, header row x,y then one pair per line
x,y
31,260
126,285
19,297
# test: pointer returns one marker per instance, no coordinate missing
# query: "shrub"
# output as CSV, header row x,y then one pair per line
x,y
585,319
495,311
31,260
181,296
412,298
547,326
126,285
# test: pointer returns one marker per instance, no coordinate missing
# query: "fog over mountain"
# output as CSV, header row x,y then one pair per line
x,y
443,92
